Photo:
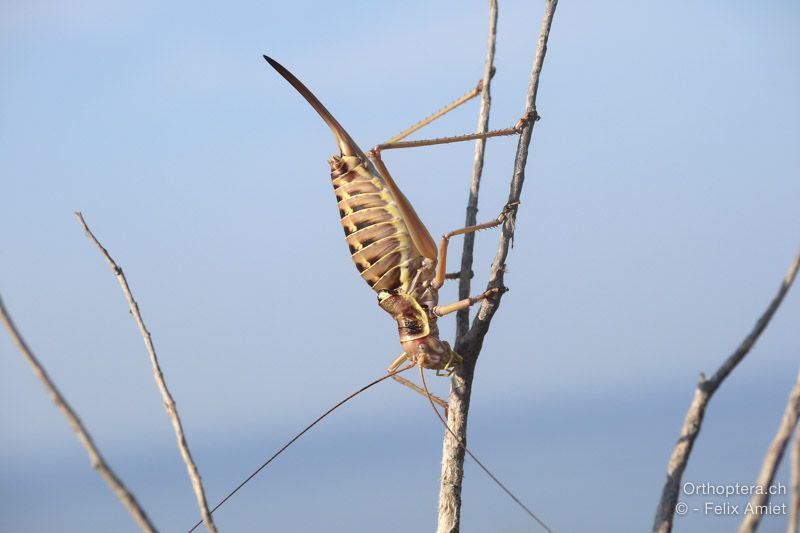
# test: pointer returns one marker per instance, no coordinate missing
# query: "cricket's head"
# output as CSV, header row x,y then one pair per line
x,y
347,145
434,353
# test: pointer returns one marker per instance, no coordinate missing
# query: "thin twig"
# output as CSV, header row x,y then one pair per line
x,y
474,458
694,416
468,344
454,442
794,511
95,457
772,460
462,317
169,403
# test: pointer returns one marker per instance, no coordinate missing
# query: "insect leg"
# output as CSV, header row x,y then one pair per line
x,y
396,141
443,111
441,310
417,230
396,364
441,265
454,139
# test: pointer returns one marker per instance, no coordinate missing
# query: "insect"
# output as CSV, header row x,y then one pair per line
x,y
391,247
396,255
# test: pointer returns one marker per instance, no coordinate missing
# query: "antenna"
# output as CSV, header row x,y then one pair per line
x,y
480,464
292,441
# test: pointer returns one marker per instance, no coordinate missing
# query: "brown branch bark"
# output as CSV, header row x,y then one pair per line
x,y
694,416
773,459
169,403
464,280
468,343
452,453
98,462
794,510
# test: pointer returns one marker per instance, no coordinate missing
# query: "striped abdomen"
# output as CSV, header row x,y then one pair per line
x,y
376,233
376,216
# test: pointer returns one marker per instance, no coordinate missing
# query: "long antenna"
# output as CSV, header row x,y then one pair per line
x,y
311,425
464,446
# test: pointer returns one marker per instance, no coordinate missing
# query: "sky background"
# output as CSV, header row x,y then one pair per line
x,y
659,214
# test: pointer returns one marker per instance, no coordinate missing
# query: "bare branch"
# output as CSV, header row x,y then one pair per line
x,y
481,323
773,459
468,343
462,317
794,511
452,452
96,458
169,403
694,416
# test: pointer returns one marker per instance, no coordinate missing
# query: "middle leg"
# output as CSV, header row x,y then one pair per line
x,y
441,261
441,310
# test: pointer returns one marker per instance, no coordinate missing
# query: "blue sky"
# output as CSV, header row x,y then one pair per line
x,y
658,217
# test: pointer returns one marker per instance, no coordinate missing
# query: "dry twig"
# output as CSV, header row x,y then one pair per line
x,y
694,416
468,343
794,510
465,274
96,458
773,459
452,452
169,403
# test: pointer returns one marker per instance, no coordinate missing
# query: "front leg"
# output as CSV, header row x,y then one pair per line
x,y
396,364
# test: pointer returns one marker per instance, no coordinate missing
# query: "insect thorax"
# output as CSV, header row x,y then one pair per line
x,y
419,334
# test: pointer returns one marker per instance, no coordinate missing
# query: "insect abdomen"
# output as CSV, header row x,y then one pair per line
x,y
379,241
